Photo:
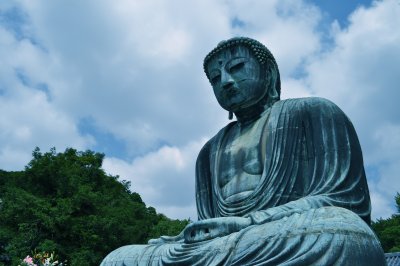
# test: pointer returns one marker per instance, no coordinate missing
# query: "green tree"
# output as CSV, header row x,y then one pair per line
x,y
163,225
388,230
65,202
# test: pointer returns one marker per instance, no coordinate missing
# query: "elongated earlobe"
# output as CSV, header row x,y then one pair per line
x,y
230,115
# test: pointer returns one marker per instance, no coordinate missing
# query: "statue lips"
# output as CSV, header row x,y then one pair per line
x,y
234,89
231,92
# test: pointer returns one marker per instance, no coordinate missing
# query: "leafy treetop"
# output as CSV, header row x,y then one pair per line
x,y
65,202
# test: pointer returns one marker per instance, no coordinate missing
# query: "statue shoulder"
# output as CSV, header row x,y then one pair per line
x,y
205,150
312,105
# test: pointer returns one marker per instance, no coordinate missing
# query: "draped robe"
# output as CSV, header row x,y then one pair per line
x,y
311,207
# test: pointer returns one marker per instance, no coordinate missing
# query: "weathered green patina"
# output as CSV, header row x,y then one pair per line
x,y
282,185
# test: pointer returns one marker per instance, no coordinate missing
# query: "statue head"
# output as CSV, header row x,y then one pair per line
x,y
244,75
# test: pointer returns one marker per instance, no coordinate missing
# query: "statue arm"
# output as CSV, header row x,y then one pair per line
x,y
288,209
320,166
167,239
203,183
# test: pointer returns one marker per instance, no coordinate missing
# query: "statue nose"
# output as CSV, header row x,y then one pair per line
x,y
227,84
226,81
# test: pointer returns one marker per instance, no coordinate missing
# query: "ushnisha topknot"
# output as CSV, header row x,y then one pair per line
x,y
261,52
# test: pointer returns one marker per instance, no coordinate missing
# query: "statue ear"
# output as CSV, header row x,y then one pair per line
x,y
271,80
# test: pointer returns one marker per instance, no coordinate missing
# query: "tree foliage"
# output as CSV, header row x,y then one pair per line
x,y
65,202
388,230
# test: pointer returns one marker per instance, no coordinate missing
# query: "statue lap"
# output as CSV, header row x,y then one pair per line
x,y
324,236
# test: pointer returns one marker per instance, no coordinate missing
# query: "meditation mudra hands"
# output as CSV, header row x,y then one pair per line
x,y
206,230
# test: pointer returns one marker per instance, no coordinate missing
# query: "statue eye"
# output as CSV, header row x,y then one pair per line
x,y
215,79
236,64
236,67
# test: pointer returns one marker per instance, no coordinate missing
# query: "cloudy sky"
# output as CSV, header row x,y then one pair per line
x,y
125,78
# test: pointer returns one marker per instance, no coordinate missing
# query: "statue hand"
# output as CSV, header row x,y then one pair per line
x,y
215,227
166,239
273,214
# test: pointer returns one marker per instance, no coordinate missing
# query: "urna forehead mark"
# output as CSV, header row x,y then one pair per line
x,y
258,49
227,54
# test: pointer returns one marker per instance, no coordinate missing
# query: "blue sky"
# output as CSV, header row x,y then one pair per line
x,y
339,10
125,78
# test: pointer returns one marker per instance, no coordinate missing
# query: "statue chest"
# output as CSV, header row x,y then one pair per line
x,y
241,160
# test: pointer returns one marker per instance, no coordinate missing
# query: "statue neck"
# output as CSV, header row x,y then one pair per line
x,y
252,113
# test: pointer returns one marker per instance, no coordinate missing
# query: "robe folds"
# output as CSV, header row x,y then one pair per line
x,y
311,207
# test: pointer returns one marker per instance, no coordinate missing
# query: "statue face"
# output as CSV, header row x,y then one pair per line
x,y
237,78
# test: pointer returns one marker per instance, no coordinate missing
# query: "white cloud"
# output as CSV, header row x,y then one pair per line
x,y
294,88
381,208
288,28
28,119
135,68
164,178
386,159
360,75
127,66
